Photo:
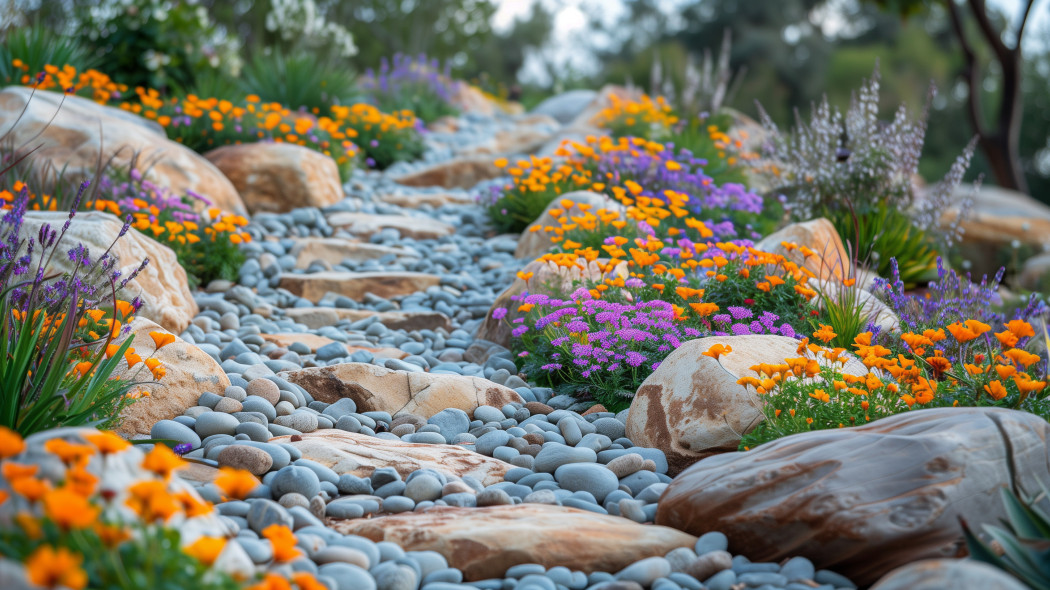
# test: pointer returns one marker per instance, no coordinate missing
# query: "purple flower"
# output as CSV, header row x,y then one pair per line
x,y
183,448
499,313
635,359
739,313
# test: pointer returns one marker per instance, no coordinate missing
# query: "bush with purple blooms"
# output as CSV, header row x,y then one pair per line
x,y
416,84
594,349
56,341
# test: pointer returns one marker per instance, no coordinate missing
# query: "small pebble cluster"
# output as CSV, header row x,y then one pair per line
x,y
558,454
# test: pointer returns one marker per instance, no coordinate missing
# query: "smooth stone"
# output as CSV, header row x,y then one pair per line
x,y
553,456
348,576
264,513
172,430
589,477
253,459
296,479
646,571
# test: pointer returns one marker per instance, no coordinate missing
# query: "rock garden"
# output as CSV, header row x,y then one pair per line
x,y
428,340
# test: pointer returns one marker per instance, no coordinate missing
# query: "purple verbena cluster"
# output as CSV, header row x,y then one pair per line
x,y
405,73
741,321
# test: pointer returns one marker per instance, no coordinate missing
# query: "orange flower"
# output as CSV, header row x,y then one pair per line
x,y
272,581
69,510
162,461
1005,371
1021,358
1028,385
107,442
1007,338
996,390
11,443
50,568
68,452
236,483
825,334
111,535
206,549
283,542
80,480
161,339
1020,328
192,506
717,350
306,581
30,488
151,501
968,330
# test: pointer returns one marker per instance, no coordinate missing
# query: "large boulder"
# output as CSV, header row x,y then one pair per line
x,y
535,241
458,173
566,106
355,285
74,136
865,500
830,258
999,220
958,574
377,389
162,286
547,278
692,407
189,372
485,542
603,100
360,455
279,177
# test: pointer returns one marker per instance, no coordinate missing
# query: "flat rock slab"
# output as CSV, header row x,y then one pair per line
x,y
336,250
412,200
485,542
458,173
285,339
317,317
862,501
360,455
366,224
355,285
378,389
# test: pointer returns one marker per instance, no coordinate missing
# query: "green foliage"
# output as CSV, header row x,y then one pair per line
x,y
884,233
37,46
1024,539
842,308
512,210
297,80
209,259
150,558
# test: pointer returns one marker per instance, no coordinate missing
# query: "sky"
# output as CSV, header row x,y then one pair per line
x,y
571,23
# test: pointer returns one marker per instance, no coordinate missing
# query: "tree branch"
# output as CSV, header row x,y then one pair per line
x,y
995,40
971,69
1024,21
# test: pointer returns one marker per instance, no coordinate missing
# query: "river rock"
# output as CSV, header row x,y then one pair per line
x,y
356,285
456,173
938,574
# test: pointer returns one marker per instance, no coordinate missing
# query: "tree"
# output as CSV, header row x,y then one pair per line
x,y
999,138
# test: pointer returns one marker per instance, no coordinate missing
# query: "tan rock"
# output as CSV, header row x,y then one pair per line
x,y
818,235
366,224
938,574
360,455
162,286
81,130
190,372
1035,273
535,241
279,177
375,388
470,99
458,173
317,317
355,285
692,407
999,220
871,307
548,278
335,250
314,341
862,501
485,542
520,139
413,200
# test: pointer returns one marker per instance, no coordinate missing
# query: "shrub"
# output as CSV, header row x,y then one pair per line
x,y
416,85
858,173
56,338
646,117
298,80
31,48
384,138
535,183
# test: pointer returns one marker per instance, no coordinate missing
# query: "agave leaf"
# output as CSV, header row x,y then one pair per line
x,y
1024,522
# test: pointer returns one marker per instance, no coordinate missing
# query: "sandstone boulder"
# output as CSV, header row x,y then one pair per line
x,y
547,278
190,372
162,286
535,241
692,407
485,542
279,177
831,259
873,309
315,341
458,173
355,285
415,200
82,130
317,317
601,101
360,455
1035,273
366,224
999,220
375,388
862,501
335,250
938,574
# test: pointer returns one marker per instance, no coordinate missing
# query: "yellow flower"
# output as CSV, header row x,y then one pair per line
x,y
50,568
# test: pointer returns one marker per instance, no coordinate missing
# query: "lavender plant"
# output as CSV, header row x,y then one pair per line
x,y
57,368
858,173
416,84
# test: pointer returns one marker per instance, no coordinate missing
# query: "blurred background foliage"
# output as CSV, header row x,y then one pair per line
x,y
791,51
